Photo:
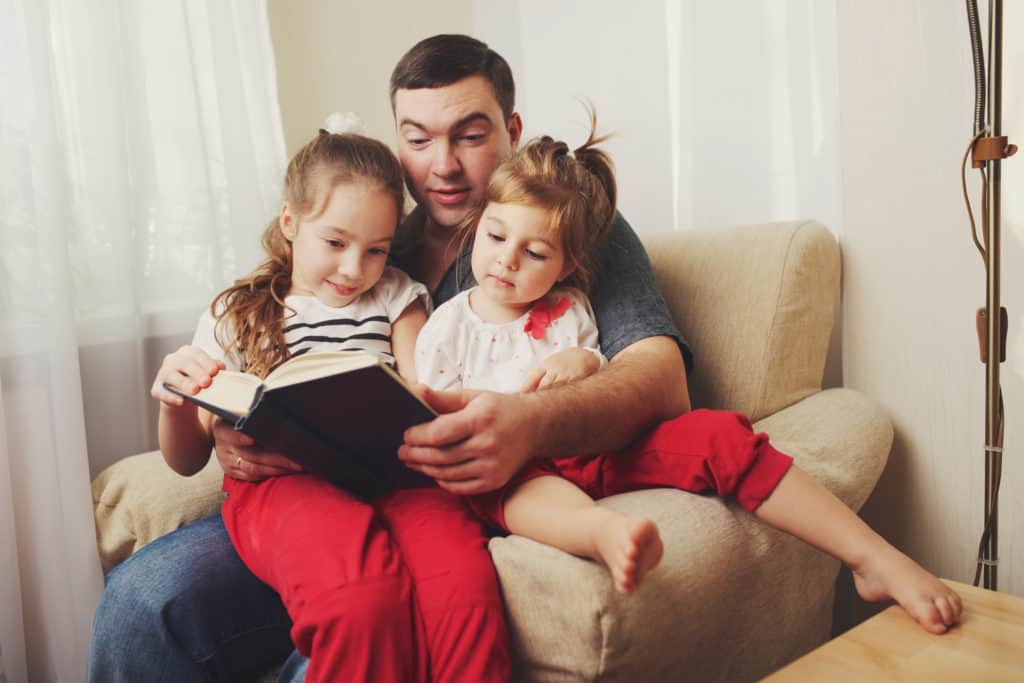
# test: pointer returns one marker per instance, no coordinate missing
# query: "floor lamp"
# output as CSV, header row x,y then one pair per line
x,y
988,148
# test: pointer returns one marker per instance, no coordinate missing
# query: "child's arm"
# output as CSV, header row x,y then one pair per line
x,y
580,356
184,429
563,367
403,338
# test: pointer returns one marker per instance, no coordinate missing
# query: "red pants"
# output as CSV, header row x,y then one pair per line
x,y
400,590
705,450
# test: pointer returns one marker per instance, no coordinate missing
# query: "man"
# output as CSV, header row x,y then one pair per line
x,y
186,608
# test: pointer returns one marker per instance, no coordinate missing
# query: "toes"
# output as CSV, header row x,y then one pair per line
x,y
931,618
949,608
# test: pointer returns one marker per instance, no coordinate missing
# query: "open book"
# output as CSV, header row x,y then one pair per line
x,y
339,414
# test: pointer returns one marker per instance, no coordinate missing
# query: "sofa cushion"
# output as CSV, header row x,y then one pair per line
x,y
756,304
139,499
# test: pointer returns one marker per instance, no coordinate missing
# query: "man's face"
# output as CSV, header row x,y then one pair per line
x,y
450,140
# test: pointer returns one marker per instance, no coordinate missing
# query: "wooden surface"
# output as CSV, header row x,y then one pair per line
x,y
988,645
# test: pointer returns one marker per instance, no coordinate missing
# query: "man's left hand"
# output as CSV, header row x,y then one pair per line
x,y
477,442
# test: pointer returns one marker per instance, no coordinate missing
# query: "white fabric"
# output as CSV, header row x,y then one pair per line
x,y
722,113
142,155
364,324
458,350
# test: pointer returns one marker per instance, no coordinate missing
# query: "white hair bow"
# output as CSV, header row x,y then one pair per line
x,y
344,122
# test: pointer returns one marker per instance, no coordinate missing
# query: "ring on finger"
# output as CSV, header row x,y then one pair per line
x,y
238,463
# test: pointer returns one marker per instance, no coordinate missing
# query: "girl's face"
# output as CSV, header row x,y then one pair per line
x,y
516,259
341,253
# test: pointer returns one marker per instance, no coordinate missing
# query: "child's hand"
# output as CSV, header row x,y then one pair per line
x,y
565,366
189,369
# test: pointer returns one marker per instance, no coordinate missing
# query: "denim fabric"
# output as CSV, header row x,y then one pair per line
x,y
185,608
625,297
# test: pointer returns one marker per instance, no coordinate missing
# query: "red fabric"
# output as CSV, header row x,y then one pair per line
x,y
700,451
400,591
542,314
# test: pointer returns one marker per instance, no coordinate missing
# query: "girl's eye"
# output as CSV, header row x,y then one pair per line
x,y
496,238
536,256
377,251
336,244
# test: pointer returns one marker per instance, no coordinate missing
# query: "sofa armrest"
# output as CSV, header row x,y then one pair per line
x,y
727,583
139,499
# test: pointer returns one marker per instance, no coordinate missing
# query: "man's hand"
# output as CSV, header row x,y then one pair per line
x,y
477,442
242,458
565,366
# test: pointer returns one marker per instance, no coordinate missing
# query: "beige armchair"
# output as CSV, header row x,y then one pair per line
x,y
732,599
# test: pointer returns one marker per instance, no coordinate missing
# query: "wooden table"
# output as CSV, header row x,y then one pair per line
x,y
988,645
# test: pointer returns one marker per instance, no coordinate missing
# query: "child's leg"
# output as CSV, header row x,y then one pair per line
x,y
711,450
801,506
338,572
554,511
444,547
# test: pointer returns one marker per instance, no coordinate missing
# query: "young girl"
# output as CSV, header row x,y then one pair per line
x,y
526,325
341,566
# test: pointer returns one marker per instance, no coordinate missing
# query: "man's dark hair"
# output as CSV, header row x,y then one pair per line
x,y
444,59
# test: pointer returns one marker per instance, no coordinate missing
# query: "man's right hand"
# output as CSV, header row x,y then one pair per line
x,y
242,458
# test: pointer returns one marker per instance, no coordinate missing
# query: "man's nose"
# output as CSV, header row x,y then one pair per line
x,y
446,160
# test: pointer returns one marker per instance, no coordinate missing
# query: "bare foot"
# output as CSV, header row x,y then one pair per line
x,y
890,574
629,547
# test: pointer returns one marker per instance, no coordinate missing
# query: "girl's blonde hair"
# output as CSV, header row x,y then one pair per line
x,y
578,191
250,313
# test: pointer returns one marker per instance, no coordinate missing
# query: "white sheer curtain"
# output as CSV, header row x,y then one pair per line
x,y
724,112
142,154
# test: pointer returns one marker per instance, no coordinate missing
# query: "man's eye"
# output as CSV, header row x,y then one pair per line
x,y
417,142
473,137
337,244
536,256
496,238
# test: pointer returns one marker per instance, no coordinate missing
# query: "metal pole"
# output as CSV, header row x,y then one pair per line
x,y
993,440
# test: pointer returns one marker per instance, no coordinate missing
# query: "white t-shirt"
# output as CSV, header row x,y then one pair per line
x,y
458,350
315,327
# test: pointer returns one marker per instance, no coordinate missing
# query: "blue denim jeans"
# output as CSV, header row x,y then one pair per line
x,y
185,608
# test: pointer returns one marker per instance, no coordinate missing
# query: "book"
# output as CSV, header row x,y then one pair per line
x,y
340,414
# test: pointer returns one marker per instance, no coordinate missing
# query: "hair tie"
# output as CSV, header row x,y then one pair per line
x,y
340,123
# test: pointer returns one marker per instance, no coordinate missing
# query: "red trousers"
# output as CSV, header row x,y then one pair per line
x,y
704,450
400,590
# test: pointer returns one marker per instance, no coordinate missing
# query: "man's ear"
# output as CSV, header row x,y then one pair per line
x,y
289,225
515,129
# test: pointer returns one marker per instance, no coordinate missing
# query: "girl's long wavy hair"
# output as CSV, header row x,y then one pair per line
x,y
250,313
578,191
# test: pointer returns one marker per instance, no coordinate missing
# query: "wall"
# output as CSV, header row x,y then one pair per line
x,y
913,279
337,56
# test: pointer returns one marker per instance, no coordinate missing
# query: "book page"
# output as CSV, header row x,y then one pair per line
x,y
231,390
314,365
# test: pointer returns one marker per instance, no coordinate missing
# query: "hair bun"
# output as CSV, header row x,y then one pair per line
x,y
344,122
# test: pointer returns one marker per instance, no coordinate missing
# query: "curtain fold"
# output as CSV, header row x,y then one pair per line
x,y
142,152
721,113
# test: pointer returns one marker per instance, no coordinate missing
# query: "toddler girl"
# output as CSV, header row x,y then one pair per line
x,y
526,326
338,563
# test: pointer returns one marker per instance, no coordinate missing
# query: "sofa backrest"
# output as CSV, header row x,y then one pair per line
x,y
757,305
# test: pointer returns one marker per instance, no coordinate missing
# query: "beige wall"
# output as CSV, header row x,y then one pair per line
x,y
913,279
337,56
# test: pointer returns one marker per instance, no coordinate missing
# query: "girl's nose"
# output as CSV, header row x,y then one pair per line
x,y
508,258
350,266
